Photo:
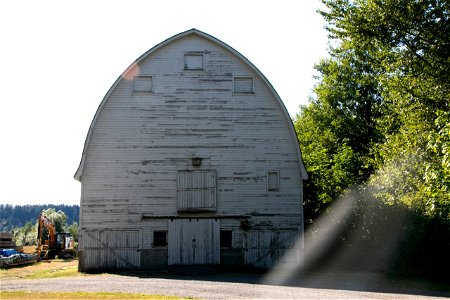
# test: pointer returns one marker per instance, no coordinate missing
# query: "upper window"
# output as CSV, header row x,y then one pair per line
x,y
142,83
243,85
273,181
193,61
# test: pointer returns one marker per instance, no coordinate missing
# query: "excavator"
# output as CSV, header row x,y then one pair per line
x,y
52,243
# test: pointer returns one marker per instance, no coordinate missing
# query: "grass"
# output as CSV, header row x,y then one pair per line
x,y
60,268
41,270
79,295
70,271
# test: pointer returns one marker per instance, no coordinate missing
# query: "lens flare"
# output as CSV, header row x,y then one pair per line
x,y
131,71
357,235
316,243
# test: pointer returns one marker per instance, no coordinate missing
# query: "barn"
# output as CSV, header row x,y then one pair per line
x,y
190,160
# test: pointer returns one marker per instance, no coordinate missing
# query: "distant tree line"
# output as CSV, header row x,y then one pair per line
x,y
13,216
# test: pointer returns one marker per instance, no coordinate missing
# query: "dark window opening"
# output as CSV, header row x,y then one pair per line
x,y
159,239
226,238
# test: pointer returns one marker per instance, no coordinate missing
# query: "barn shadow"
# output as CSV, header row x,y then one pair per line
x,y
361,245
329,279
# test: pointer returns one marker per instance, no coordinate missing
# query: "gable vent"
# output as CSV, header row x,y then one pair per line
x,y
243,85
193,61
142,84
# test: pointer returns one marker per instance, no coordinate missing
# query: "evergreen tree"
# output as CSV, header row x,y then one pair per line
x,y
17,216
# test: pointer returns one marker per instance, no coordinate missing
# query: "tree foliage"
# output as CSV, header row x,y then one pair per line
x,y
27,235
21,221
57,217
381,107
338,130
18,215
73,230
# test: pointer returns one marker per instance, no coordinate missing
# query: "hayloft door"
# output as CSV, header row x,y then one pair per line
x,y
194,242
196,190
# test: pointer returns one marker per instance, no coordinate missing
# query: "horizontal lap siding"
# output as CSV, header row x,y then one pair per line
x,y
141,141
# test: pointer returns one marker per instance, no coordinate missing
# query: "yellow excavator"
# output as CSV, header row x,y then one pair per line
x,y
52,243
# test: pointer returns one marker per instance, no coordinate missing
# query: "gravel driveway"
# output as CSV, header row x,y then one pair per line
x,y
219,286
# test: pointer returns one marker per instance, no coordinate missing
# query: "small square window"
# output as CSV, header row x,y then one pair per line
x,y
243,85
142,84
193,61
226,239
159,239
273,181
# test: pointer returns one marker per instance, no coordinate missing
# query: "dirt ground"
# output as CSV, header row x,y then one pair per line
x,y
224,285
29,249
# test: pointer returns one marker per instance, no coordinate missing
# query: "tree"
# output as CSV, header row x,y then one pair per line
x,y
380,120
339,128
382,103
57,217
26,235
18,215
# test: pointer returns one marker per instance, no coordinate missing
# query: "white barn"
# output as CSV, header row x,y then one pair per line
x,y
191,160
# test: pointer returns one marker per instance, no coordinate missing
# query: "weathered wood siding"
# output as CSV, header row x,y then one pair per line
x,y
264,248
196,190
110,249
194,242
141,139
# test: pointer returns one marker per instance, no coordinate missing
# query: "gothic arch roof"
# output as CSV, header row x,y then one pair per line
x,y
179,36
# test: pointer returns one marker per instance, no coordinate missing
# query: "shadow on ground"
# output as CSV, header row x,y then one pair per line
x,y
361,245
337,280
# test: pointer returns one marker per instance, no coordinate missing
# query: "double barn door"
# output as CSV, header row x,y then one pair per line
x,y
194,242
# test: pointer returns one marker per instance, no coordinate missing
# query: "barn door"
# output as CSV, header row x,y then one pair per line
x,y
196,190
265,248
110,249
194,242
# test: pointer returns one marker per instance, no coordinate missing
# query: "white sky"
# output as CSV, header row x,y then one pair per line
x,y
59,58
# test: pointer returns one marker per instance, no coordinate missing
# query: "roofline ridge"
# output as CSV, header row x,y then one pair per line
x,y
79,172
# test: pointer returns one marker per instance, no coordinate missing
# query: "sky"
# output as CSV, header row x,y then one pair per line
x,y
59,58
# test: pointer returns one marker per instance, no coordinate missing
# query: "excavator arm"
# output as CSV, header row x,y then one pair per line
x,y
52,243
46,234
